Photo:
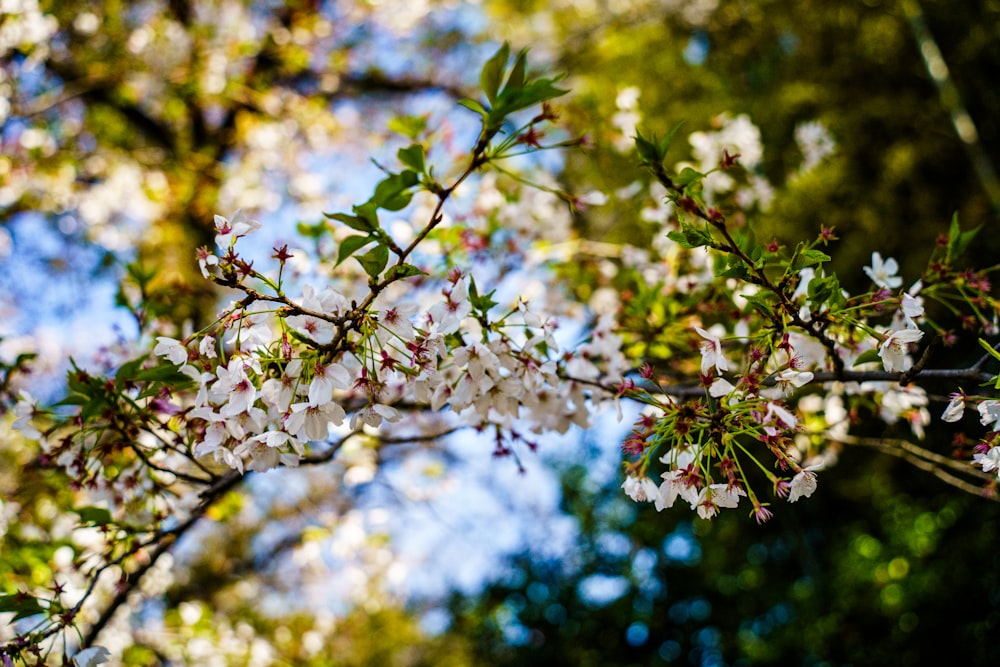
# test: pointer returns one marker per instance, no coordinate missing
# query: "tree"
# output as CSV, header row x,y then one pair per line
x,y
752,362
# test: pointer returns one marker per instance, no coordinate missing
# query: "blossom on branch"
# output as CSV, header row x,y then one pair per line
x,y
228,230
711,353
892,350
883,272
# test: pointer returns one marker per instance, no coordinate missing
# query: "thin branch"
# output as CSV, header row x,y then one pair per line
x,y
927,461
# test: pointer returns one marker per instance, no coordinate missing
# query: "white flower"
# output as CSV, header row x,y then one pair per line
x,y
789,378
448,314
230,230
989,413
640,489
711,353
314,420
328,302
803,485
234,382
671,487
989,461
483,364
24,410
954,411
326,378
397,320
720,387
373,414
912,307
893,351
205,260
172,349
883,273
278,392
202,378
725,496
781,415
91,657
207,347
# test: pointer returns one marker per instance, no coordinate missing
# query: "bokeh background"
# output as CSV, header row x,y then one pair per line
x,y
127,125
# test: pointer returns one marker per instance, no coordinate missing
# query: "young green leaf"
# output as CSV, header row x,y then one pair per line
x,y
93,516
401,271
353,221
866,357
958,240
473,105
989,349
127,371
516,78
22,604
394,192
351,245
167,373
374,260
413,156
689,176
492,74
408,126
664,144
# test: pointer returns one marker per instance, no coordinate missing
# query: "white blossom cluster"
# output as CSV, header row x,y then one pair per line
x,y
266,398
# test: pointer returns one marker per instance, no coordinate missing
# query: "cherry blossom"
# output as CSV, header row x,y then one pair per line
x,y
955,409
892,350
230,229
989,461
711,353
313,420
640,489
803,485
24,411
883,273
989,414
172,349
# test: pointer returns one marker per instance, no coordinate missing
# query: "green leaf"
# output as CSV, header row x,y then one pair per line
x,y
353,221
408,126
374,260
516,78
824,288
74,399
492,73
127,371
400,271
738,271
515,99
167,373
22,604
688,176
351,245
958,240
393,193
369,213
94,516
867,357
809,258
413,156
989,349
649,153
313,231
664,143
474,106
760,302
482,303
690,237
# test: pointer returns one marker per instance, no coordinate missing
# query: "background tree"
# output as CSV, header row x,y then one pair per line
x,y
205,108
